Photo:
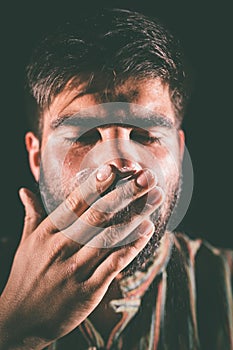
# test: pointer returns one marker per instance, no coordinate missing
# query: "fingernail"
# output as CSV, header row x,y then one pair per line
x,y
104,172
147,228
146,179
155,196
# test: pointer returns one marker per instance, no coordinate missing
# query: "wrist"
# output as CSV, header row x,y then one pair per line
x,y
11,341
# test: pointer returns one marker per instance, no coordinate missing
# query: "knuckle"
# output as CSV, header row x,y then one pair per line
x,y
87,290
56,248
71,203
105,204
71,269
94,217
41,233
133,249
117,263
111,266
112,236
30,219
83,288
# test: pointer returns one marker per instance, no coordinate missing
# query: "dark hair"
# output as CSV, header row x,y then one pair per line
x,y
113,40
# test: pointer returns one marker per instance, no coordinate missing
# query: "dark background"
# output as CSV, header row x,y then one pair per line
x,y
205,31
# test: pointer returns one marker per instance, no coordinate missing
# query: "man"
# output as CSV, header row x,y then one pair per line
x,y
96,267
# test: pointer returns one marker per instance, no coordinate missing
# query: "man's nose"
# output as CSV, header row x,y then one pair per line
x,y
120,148
125,166
113,132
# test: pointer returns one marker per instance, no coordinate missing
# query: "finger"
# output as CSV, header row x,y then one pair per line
x,y
92,255
96,243
80,199
119,259
100,246
116,200
121,234
104,209
34,212
91,234
87,261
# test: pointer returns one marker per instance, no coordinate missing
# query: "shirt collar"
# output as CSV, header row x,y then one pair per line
x,y
136,285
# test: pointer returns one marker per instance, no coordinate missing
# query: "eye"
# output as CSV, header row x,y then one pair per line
x,y
87,138
144,137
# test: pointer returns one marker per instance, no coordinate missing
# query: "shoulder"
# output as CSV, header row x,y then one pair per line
x,y
199,288
210,266
198,249
212,286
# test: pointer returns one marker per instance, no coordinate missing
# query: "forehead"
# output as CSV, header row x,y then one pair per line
x,y
152,94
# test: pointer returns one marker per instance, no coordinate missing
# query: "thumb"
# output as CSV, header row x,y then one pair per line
x,y
34,213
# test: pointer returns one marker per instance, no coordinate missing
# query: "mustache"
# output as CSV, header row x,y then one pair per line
x,y
54,192
77,180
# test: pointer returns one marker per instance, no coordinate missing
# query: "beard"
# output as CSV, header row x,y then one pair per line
x,y
53,194
160,219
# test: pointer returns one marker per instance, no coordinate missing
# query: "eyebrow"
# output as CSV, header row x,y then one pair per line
x,y
153,120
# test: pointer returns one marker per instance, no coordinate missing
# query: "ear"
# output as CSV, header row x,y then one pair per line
x,y
181,143
33,148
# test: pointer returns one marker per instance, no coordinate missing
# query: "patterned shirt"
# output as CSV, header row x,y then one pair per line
x,y
182,301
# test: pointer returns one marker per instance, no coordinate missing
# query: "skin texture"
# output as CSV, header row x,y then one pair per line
x,y
51,269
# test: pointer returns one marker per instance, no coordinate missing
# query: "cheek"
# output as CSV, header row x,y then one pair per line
x,y
61,162
73,161
166,166
170,170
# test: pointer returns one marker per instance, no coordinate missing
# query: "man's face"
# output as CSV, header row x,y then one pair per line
x,y
141,134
